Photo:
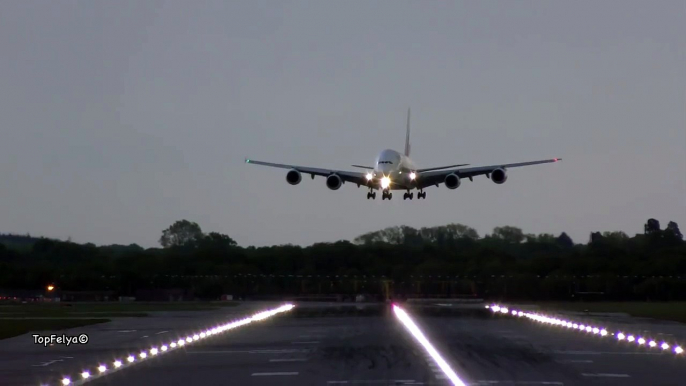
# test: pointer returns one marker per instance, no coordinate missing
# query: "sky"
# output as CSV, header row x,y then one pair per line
x,y
119,118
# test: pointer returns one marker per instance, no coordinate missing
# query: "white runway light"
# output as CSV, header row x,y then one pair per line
x,y
597,331
417,334
102,370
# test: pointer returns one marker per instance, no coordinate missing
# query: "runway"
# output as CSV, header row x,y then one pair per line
x,y
325,344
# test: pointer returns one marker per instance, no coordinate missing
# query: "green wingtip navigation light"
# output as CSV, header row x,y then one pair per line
x,y
247,160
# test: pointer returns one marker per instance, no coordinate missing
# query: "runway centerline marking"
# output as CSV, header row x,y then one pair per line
x,y
605,375
312,342
161,332
412,328
274,374
288,360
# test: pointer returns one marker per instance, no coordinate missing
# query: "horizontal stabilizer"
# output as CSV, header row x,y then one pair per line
x,y
439,168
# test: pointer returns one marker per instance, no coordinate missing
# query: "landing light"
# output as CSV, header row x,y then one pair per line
x,y
413,176
369,176
385,182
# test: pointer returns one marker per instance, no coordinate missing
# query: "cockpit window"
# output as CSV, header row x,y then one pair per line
x,y
385,162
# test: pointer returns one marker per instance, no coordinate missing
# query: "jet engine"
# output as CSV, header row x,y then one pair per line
x,y
333,182
452,181
499,176
293,177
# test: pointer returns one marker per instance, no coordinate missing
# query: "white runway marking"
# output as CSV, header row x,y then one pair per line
x,y
127,331
574,361
481,383
606,375
288,360
48,363
604,353
274,374
144,336
250,351
313,342
381,381
161,332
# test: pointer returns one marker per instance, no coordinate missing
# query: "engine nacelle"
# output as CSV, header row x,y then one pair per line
x,y
293,177
452,181
499,176
334,182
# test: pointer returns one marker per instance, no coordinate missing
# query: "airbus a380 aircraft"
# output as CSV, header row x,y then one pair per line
x,y
395,171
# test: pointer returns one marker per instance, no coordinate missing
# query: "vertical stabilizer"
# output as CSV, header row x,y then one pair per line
x,y
407,135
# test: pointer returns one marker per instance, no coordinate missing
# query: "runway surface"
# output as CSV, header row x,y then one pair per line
x,y
324,344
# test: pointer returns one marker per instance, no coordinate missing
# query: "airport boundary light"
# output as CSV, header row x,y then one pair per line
x,y
121,362
419,336
598,331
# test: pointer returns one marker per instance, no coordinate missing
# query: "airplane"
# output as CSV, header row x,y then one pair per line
x,y
395,171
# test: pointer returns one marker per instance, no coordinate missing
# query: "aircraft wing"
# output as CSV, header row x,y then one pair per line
x,y
436,177
437,168
354,177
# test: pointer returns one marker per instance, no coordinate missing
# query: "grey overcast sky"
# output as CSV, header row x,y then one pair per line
x,y
118,118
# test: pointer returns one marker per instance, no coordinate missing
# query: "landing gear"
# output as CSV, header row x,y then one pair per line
x,y
421,195
409,195
371,195
386,195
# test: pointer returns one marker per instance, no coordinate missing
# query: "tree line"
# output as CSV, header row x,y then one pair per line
x,y
445,260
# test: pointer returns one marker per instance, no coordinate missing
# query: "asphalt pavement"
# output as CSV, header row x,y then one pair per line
x,y
326,344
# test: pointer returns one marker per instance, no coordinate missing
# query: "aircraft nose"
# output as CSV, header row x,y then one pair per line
x,y
385,169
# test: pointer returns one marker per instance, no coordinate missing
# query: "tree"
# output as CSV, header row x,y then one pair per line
x,y
217,240
564,240
180,233
652,226
509,234
674,228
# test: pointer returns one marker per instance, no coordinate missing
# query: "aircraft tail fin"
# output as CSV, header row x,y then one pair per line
x,y
407,135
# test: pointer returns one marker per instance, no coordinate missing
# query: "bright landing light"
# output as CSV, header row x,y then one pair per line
x,y
369,176
417,333
413,176
385,182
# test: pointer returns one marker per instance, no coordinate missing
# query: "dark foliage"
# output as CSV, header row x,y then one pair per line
x,y
444,260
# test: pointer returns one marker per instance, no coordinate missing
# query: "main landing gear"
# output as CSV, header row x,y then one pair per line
x,y
386,195
371,195
420,195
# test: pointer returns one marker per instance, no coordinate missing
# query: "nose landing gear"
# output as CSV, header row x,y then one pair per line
x,y
421,195
386,195
409,195
371,195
